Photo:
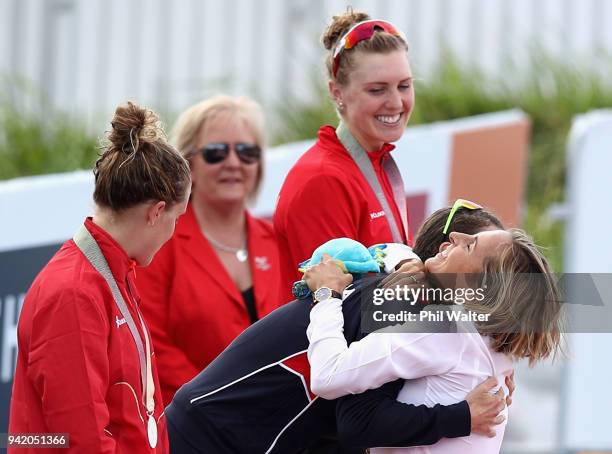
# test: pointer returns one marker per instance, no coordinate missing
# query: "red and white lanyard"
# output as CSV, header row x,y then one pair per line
x,y
90,248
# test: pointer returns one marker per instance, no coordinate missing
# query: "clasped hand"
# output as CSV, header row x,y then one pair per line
x,y
328,273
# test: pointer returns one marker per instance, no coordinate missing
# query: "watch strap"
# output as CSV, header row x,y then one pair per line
x,y
334,294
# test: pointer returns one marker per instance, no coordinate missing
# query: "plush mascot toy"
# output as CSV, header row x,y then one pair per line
x,y
353,257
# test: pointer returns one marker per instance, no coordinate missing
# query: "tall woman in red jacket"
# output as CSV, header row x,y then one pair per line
x,y
219,272
347,184
86,365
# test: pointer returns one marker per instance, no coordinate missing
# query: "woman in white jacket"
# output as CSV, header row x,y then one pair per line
x,y
520,301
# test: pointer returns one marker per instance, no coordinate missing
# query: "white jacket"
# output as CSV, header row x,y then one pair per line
x,y
438,368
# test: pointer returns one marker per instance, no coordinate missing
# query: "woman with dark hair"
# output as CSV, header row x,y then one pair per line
x,y
86,365
464,216
516,315
255,397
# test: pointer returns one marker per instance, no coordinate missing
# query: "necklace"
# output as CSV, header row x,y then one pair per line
x,y
241,253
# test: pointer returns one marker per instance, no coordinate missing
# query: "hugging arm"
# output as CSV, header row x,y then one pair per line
x,y
376,418
338,369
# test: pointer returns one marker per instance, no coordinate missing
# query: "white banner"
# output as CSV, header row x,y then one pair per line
x,y
585,398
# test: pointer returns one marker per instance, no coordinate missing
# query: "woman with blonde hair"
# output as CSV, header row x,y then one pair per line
x,y
86,365
219,272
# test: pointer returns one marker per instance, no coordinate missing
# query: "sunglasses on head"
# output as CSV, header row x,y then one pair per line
x,y
361,32
459,203
213,153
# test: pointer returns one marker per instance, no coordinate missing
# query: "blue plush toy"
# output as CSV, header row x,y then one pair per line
x,y
352,256
355,257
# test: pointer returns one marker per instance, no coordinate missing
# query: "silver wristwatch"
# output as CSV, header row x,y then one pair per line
x,y
324,293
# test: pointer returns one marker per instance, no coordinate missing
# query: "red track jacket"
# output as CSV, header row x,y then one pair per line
x,y
193,307
77,367
326,196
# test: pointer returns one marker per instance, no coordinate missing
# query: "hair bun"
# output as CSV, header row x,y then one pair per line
x,y
132,126
341,24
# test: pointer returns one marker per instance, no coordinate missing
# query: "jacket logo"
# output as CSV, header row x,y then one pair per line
x,y
262,263
119,321
377,214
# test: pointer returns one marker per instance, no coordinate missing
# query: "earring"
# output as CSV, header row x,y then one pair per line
x,y
340,105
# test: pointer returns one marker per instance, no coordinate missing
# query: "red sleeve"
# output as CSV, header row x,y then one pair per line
x,y
321,210
155,287
69,368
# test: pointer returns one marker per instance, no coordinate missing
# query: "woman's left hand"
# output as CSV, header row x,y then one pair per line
x,y
411,266
409,273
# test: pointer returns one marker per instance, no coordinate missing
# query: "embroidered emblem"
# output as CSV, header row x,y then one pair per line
x,y
119,321
262,263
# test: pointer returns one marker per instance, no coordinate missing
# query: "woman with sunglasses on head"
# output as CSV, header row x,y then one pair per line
x,y
347,184
86,366
219,272
518,316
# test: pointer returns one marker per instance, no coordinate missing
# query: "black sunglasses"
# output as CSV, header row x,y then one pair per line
x,y
248,153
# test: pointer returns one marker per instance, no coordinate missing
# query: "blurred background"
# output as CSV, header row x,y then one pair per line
x,y
66,64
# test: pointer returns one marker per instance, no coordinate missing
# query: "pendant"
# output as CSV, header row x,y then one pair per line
x,y
242,255
152,432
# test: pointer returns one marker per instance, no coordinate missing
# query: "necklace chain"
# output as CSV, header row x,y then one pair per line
x,y
240,252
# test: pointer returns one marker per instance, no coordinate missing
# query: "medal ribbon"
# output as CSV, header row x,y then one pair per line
x,y
90,248
361,158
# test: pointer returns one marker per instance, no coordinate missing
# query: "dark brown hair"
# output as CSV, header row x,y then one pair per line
x,y
430,236
137,164
381,42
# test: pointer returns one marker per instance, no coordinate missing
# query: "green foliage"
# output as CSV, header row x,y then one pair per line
x,y
34,139
37,139
299,121
550,92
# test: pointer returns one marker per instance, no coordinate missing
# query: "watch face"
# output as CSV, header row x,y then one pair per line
x,y
322,294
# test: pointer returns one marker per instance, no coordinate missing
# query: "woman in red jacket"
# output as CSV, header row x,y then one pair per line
x,y
86,366
347,184
219,273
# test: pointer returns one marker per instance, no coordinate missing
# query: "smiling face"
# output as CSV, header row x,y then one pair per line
x,y
465,254
378,98
228,181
